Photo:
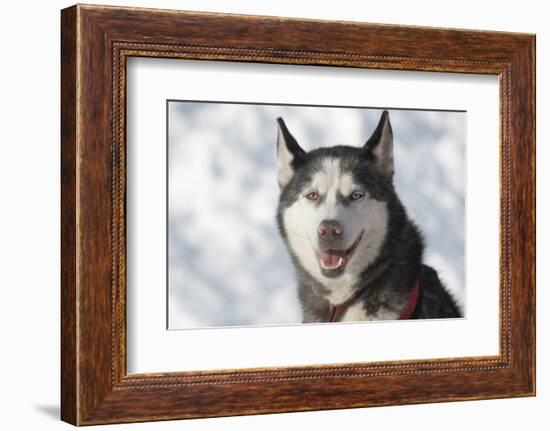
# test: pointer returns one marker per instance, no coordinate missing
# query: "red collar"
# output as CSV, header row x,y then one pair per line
x,y
412,300
336,311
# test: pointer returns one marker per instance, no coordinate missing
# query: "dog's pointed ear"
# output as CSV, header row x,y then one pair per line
x,y
288,153
379,147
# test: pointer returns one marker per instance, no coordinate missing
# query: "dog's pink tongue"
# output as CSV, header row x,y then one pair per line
x,y
329,257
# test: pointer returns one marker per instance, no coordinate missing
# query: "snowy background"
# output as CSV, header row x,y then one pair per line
x,y
227,263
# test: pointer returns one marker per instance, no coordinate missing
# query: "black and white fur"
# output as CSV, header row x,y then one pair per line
x,y
348,233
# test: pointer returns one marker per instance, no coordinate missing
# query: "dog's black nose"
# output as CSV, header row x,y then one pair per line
x,y
330,230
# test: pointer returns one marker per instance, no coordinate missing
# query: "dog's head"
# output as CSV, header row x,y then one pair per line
x,y
333,210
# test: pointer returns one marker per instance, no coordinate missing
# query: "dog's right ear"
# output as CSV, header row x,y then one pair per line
x,y
379,147
288,153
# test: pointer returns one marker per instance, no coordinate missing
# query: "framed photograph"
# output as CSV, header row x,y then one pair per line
x,y
264,214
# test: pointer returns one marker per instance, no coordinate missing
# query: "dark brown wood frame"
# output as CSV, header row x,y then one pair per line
x,y
95,43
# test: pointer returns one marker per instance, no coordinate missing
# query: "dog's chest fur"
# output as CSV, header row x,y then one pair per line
x,y
358,312
374,305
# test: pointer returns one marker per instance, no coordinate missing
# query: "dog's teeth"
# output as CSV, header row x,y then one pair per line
x,y
338,264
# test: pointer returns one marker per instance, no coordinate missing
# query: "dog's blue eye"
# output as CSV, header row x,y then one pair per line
x,y
355,196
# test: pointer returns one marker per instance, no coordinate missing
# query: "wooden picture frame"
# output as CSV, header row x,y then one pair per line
x,y
95,43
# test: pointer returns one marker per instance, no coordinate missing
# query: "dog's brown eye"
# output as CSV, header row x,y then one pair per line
x,y
312,196
355,196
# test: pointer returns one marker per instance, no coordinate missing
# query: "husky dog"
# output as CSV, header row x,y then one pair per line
x,y
357,254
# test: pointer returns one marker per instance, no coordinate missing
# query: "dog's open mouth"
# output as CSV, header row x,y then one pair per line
x,y
332,262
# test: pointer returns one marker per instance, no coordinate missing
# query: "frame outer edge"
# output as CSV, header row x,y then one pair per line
x,y
530,80
524,216
69,411
532,100
533,54
87,396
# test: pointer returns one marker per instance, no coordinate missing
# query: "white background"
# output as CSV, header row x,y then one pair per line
x,y
29,228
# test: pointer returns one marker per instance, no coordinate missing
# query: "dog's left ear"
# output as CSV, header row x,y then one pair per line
x,y
379,147
289,153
